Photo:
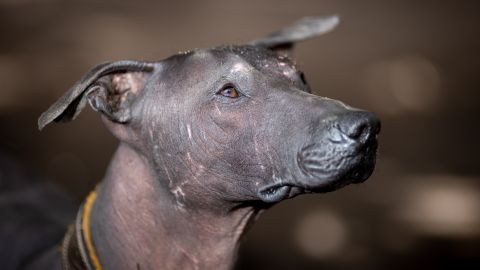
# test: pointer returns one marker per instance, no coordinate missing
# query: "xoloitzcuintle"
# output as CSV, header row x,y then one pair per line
x,y
208,139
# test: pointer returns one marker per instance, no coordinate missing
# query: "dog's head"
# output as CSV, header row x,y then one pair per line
x,y
231,124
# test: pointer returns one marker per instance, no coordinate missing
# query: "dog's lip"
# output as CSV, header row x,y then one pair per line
x,y
280,191
277,192
353,164
356,170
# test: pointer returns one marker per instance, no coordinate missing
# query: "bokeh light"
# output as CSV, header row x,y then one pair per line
x,y
442,205
408,84
321,234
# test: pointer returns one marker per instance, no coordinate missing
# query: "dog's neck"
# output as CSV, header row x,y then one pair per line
x,y
135,224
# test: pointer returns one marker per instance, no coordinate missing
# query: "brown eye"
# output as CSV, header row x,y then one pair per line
x,y
229,91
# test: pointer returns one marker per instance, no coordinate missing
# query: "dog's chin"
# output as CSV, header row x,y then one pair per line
x,y
356,169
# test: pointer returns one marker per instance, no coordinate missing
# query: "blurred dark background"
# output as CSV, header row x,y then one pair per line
x,y
415,63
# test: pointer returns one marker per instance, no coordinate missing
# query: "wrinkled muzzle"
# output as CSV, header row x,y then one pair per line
x,y
341,150
345,154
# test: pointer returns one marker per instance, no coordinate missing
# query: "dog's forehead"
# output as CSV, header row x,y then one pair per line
x,y
237,57
260,58
231,59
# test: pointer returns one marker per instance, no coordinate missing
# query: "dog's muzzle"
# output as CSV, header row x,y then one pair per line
x,y
345,153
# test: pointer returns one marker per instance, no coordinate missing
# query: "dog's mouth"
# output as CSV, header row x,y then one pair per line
x,y
322,172
352,164
278,192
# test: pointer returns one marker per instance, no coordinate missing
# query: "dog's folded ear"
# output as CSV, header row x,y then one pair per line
x,y
282,41
109,88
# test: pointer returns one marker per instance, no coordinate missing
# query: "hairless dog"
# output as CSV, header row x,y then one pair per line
x,y
208,139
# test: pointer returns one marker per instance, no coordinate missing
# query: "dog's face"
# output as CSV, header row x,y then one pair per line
x,y
231,125
252,131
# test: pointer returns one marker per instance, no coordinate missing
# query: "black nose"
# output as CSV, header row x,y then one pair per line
x,y
360,126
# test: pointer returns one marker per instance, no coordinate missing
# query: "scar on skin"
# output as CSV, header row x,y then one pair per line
x,y
217,109
238,67
150,132
189,130
241,67
178,191
179,194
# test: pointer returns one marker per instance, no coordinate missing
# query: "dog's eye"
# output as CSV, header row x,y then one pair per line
x,y
229,91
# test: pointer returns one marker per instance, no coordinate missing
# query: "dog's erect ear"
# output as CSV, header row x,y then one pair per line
x,y
109,88
282,41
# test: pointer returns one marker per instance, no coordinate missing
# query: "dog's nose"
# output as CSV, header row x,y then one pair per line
x,y
360,126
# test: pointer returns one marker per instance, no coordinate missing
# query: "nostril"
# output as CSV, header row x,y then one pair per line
x,y
358,131
360,127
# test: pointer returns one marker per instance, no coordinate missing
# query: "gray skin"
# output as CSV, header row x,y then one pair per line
x,y
196,164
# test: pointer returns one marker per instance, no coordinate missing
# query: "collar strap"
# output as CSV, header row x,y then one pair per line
x,y
78,251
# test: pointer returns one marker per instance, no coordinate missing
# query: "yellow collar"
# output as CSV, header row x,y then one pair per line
x,y
87,235
78,250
